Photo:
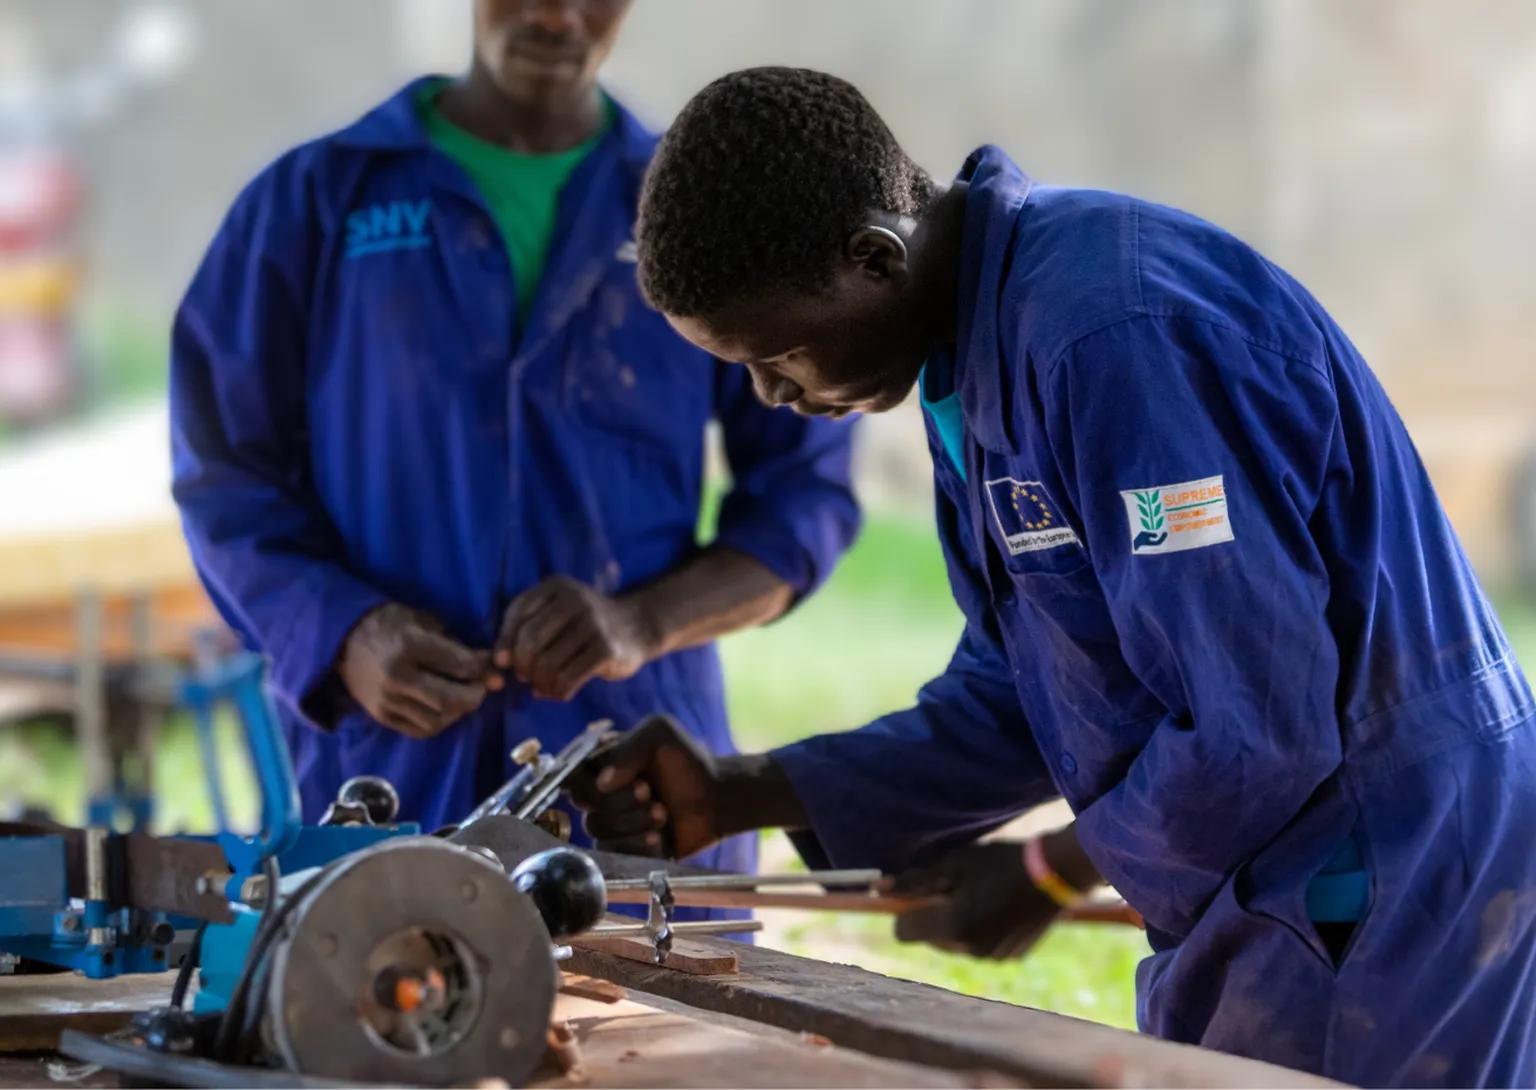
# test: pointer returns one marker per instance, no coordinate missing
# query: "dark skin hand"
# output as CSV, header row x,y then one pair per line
x,y
408,675
532,87
990,908
658,792
561,634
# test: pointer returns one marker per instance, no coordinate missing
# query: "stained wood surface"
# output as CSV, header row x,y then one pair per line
x,y
686,956
36,1008
622,1041
908,1022
632,1043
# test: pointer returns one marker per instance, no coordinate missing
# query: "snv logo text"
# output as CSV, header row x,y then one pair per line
x,y
382,228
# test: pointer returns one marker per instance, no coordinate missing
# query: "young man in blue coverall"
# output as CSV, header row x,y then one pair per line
x,y
437,459
1211,598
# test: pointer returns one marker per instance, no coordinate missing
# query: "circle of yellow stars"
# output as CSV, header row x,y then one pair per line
x,y
1022,493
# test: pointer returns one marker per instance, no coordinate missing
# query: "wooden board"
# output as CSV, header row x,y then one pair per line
x,y
35,1009
640,1043
686,955
679,1030
177,614
622,1042
908,1022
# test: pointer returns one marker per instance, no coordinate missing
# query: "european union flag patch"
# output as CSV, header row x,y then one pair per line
x,y
1026,516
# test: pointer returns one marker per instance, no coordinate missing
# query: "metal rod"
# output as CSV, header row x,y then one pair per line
x,y
96,864
826,878
147,727
90,699
870,902
687,927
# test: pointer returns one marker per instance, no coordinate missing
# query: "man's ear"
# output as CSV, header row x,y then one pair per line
x,y
878,252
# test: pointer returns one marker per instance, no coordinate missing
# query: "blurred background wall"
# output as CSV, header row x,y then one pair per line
x,y
1384,151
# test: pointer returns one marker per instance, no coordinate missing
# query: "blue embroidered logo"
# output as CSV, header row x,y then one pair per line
x,y
382,228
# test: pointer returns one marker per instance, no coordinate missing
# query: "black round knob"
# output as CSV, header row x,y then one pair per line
x,y
374,794
167,1029
567,889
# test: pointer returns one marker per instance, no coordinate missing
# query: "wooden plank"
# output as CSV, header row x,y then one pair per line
x,y
177,613
621,1043
908,1022
632,1043
686,955
589,987
36,1008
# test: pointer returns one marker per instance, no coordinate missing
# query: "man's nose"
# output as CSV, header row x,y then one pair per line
x,y
775,390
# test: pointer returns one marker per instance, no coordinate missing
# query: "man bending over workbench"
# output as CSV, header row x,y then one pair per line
x,y
1211,597
437,459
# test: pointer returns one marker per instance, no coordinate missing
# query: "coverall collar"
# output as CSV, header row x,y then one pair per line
x,y
998,191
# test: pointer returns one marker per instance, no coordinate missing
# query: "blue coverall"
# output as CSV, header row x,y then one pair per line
x,y
360,416
1212,600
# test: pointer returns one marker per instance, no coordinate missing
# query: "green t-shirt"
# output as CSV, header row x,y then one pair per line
x,y
521,190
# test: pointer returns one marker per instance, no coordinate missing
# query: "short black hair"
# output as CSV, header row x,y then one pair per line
x,y
759,183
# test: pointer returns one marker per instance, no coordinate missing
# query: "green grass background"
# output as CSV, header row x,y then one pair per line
x,y
883,625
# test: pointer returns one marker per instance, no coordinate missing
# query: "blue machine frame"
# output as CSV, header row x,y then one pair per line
x,y
40,921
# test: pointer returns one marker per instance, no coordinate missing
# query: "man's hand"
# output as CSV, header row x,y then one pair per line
x,y
559,635
989,906
409,676
653,792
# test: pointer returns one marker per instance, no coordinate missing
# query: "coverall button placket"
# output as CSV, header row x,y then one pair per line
x,y
1067,763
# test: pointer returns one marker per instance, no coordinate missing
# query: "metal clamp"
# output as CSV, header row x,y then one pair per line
x,y
659,928
533,789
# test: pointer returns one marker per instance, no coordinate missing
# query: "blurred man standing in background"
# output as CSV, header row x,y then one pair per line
x,y
436,458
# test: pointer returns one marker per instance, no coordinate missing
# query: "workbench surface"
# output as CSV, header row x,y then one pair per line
x,y
780,1020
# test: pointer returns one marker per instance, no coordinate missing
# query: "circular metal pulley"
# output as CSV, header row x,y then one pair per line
x,y
416,962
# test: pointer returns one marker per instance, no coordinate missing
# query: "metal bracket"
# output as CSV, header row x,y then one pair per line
x,y
538,781
659,928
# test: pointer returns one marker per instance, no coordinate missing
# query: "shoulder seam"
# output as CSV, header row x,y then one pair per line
x,y
1110,321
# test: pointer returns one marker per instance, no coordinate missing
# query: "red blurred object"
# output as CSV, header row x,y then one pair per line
x,y
41,200
40,197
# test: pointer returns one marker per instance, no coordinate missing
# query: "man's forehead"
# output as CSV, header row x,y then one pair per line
x,y
729,339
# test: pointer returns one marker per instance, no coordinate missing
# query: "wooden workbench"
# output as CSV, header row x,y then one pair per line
x,y
780,1020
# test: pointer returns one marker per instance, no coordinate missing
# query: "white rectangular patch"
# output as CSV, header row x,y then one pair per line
x,y
1026,518
1173,517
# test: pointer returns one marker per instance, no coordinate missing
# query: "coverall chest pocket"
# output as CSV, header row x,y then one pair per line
x,y
1029,532
629,377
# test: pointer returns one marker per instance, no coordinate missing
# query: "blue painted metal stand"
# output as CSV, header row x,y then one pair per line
x,y
92,934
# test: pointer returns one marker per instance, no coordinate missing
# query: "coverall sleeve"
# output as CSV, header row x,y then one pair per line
x,y
259,535
917,783
1233,635
791,506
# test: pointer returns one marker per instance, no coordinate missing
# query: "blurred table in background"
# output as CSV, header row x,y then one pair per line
x,y
97,588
